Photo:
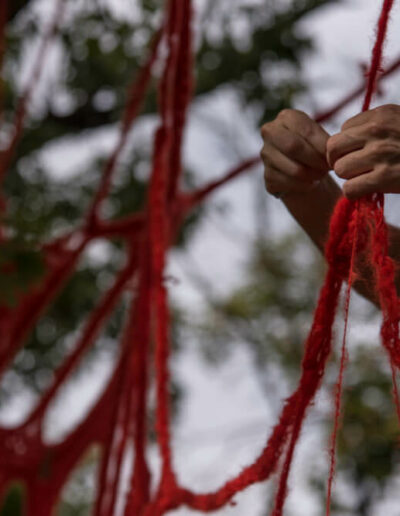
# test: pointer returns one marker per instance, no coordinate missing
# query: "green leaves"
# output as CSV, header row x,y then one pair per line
x,y
13,502
21,266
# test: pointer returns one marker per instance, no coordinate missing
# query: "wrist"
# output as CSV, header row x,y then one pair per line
x,y
313,209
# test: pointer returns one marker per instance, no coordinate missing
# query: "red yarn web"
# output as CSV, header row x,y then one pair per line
x,y
119,417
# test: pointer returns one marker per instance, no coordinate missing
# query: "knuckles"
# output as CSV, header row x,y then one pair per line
x,y
296,118
377,130
387,111
292,120
384,151
292,146
290,115
300,172
287,115
382,119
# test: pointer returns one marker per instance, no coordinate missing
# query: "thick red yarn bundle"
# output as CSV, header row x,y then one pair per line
x,y
119,417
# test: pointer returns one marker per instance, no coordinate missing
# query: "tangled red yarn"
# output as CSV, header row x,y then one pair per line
x,y
120,415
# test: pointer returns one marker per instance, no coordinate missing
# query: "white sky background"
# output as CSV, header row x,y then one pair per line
x,y
225,417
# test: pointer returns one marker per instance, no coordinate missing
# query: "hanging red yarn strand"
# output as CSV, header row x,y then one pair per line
x,y
159,233
377,55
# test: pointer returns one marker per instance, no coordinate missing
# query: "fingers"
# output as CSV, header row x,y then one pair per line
x,y
309,130
274,158
353,165
296,135
383,179
366,153
374,154
294,152
366,184
376,125
361,161
357,120
278,182
381,114
343,143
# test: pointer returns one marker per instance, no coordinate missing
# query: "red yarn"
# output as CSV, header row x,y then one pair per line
x,y
120,415
377,54
178,17
343,359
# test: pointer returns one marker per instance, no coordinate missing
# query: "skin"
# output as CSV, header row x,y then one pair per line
x,y
298,155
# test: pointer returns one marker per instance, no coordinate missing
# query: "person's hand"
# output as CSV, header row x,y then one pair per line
x,y
294,153
366,153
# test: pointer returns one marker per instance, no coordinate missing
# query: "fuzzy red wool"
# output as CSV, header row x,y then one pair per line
x,y
381,234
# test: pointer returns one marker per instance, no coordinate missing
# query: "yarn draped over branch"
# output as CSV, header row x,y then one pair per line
x,y
120,415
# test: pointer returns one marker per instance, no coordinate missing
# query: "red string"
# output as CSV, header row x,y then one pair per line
x,y
343,360
159,232
140,479
377,52
377,55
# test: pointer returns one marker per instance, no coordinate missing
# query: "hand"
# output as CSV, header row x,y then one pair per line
x,y
366,153
294,153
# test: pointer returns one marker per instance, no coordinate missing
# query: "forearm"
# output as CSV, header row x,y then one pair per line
x,y
313,209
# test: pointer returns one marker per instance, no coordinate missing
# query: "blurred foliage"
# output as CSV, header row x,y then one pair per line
x,y
13,502
271,311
